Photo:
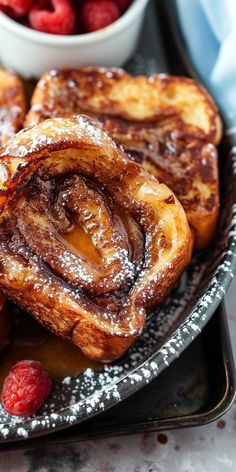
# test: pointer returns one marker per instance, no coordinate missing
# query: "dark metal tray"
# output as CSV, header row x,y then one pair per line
x,y
196,389
203,378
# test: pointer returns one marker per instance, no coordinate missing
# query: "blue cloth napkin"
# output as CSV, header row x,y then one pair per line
x,y
209,28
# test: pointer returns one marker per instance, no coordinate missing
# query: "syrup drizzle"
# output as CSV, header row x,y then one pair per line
x,y
80,242
30,340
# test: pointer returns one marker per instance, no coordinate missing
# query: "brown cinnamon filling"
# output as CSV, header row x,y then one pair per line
x,y
81,235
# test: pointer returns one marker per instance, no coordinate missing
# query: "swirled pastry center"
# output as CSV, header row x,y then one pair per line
x,y
82,236
89,241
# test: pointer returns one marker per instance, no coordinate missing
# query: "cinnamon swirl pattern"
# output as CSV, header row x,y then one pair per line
x,y
89,241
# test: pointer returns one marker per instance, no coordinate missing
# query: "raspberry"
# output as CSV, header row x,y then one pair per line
x,y
56,17
123,4
16,8
25,388
96,15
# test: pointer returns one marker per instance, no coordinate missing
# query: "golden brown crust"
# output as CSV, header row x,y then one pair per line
x,y
12,114
12,105
168,124
54,176
114,92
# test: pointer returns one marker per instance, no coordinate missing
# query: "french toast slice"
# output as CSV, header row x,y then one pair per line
x,y
12,114
12,105
169,124
89,241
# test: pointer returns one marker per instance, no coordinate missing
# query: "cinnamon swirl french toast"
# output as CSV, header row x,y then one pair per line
x,y
12,105
89,241
168,124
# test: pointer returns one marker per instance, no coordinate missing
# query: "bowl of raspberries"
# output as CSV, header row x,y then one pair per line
x,y
42,34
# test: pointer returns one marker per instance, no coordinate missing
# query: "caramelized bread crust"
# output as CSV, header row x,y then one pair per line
x,y
12,114
66,174
168,124
12,105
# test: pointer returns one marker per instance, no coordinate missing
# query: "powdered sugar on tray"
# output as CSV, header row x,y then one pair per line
x,y
88,393
168,331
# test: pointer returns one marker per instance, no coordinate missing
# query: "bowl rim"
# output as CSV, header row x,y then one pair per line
x,y
74,40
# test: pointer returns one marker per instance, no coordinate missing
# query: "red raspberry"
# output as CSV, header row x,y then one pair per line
x,y
26,388
16,8
96,15
58,17
123,4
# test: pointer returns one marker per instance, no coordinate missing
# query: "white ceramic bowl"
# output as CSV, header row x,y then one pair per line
x,y
30,52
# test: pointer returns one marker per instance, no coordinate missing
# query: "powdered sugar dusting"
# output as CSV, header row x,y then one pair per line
x,y
90,392
201,288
